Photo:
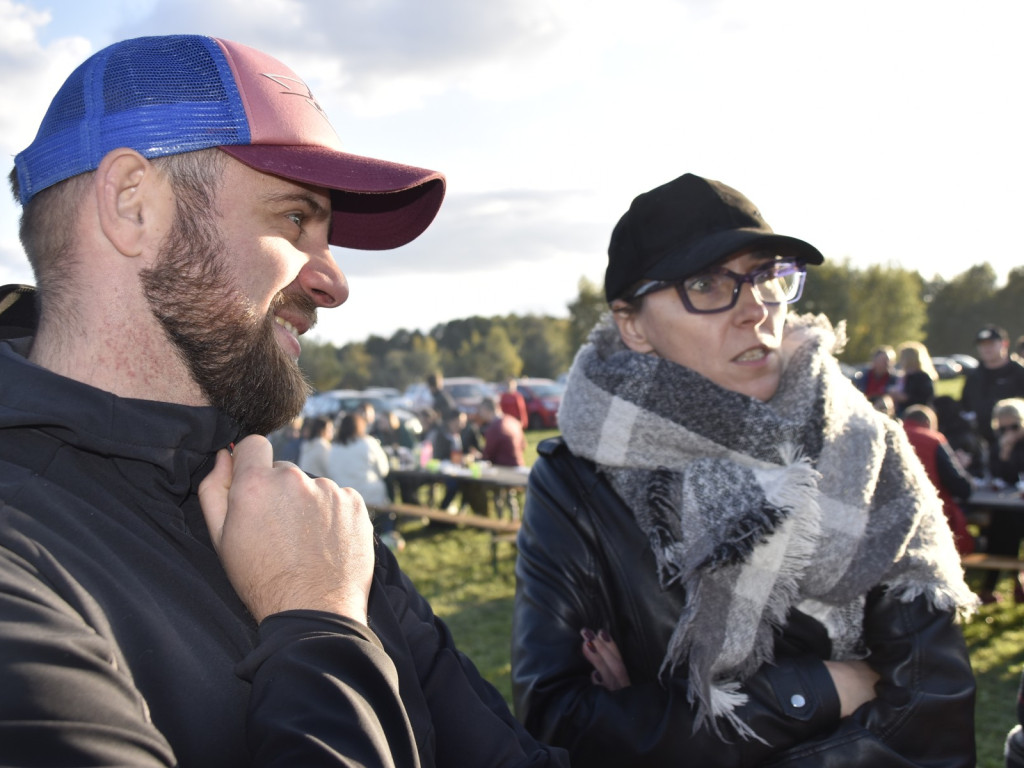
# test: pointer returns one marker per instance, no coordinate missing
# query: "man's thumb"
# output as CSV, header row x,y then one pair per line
x,y
213,495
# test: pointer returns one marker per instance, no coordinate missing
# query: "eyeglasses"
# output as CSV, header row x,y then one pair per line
x,y
1004,428
717,290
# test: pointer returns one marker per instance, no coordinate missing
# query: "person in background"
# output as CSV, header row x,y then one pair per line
x,y
948,476
960,434
513,403
393,434
356,460
881,375
996,378
169,594
447,442
917,382
1005,532
315,451
504,441
287,441
730,558
369,414
443,403
1008,462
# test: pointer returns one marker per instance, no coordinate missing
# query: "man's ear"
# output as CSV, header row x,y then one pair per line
x,y
128,195
631,327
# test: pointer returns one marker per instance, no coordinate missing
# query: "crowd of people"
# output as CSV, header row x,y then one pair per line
x,y
730,556
358,449
964,443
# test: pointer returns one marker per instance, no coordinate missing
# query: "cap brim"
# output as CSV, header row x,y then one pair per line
x,y
721,245
377,204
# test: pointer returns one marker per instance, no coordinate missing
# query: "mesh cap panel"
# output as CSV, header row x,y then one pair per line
x,y
160,96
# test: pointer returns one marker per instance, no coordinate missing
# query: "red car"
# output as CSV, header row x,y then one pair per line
x,y
542,396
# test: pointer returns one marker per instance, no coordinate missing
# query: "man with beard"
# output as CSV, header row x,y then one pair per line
x,y
168,594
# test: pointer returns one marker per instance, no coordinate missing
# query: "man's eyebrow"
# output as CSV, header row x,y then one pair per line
x,y
317,209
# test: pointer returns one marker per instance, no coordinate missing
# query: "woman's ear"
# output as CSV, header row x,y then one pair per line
x,y
127,186
630,321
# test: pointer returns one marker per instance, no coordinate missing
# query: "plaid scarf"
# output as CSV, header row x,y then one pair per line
x,y
806,501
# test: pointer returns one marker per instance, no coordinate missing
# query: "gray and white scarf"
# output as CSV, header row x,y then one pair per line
x,y
806,501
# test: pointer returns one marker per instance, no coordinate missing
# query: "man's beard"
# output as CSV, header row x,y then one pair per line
x,y
228,345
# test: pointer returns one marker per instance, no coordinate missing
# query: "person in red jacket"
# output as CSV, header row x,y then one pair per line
x,y
944,470
513,403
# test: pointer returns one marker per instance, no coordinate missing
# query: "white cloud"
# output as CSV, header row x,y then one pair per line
x,y
883,131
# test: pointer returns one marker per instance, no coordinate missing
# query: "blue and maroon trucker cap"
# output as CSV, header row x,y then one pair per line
x,y
180,93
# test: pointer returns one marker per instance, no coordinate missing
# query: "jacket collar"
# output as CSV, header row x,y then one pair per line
x,y
174,442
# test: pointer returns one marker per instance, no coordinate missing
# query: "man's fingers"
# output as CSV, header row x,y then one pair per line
x,y
213,494
254,452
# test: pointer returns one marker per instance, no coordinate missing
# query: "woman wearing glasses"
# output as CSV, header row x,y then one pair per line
x,y
730,558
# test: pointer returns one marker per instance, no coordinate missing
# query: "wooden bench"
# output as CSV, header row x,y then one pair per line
x,y
988,562
500,530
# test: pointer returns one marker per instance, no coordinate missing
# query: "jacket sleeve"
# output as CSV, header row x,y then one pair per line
x,y
66,697
324,692
383,697
923,714
560,590
471,724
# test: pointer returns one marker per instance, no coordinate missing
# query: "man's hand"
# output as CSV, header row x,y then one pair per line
x,y
287,541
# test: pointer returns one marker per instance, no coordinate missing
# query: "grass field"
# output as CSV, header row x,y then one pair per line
x,y
453,570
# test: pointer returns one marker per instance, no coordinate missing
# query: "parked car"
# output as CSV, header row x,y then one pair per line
x,y
542,396
947,367
467,392
416,397
339,401
967,362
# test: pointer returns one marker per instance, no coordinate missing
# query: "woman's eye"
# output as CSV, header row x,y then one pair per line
x,y
702,283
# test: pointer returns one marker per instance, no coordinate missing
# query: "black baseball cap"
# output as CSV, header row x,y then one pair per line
x,y
680,228
991,333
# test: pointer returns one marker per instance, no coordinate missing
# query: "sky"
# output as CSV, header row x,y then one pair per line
x,y
883,131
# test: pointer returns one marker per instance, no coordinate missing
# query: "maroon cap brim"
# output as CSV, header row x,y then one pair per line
x,y
377,204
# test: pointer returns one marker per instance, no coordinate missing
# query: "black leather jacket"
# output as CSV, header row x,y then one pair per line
x,y
584,562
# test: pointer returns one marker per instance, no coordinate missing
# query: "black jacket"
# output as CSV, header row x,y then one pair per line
x,y
123,643
584,562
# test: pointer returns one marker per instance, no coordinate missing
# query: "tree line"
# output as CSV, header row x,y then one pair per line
x,y
880,305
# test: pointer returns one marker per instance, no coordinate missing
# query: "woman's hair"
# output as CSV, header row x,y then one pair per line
x,y
914,357
317,427
1011,406
885,349
353,426
923,415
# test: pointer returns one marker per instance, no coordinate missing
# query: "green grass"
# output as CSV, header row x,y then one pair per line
x,y
452,568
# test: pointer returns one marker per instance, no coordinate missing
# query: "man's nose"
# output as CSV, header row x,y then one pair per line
x,y
322,279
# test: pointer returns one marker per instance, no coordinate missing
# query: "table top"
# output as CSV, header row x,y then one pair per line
x,y
1009,498
483,473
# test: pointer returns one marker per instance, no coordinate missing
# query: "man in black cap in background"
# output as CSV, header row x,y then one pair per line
x,y
997,377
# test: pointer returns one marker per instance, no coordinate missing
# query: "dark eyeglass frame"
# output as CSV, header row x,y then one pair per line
x,y
781,267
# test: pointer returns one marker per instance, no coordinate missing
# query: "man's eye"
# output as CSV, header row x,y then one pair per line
x,y
298,218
